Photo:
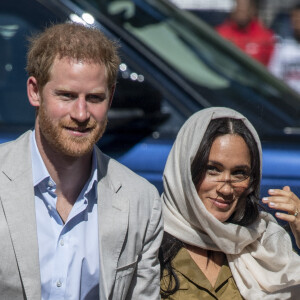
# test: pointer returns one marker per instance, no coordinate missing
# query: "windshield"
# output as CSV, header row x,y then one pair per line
x,y
214,70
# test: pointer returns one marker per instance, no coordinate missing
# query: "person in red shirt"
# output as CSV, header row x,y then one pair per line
x,y
246,31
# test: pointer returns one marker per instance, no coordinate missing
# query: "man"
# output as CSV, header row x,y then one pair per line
x,y
285,62
245,31
74,223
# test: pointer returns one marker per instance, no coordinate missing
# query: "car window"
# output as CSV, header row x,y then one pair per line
x,y
18,20
214,69
138,110
202,70
12,74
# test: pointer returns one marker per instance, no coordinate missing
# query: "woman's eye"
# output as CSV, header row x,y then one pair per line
x,y
212,170
240,175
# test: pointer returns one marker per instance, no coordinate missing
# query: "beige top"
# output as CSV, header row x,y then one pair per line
x,y
195,285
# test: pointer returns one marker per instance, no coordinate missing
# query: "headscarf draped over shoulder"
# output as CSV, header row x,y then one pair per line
x,y
260,256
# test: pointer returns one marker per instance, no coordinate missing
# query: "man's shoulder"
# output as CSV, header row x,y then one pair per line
x,y
289,42
15,156
288,47
22,141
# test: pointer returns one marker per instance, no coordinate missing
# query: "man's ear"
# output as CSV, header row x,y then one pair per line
x,y
111,95
33,92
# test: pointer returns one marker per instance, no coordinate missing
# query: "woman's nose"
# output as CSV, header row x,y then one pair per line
x,y
224,185
225,188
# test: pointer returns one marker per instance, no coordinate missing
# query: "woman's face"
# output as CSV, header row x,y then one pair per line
x,y
226,176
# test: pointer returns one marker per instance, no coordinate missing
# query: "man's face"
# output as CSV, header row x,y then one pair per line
x,y
243,13
73,106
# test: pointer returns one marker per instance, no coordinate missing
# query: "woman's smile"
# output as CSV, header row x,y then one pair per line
x,y
221,203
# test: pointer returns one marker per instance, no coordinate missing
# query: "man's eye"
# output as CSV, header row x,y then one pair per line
x,y
67,95
95,98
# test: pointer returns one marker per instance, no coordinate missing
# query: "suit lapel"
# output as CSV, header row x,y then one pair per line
x,y
113,212
17,196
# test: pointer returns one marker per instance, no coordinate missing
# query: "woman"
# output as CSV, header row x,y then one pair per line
x,y
218,245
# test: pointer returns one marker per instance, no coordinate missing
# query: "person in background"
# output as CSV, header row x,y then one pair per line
x,y
217,243
285,61
244,29
74,223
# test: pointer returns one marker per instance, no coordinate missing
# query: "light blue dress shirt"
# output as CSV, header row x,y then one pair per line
x,y
68,253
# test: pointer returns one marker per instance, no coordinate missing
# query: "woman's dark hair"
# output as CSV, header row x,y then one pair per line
x,y
247,210
167,251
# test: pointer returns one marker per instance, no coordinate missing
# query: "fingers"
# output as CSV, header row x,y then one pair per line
x,y
283,195
289,205
285,201
285,192
281,203
286,217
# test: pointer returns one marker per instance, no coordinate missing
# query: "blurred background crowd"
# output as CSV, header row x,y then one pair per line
x,y
267,30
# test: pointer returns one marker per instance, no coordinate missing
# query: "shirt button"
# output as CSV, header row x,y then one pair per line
x,y
51,183
49,207
62,242
58,283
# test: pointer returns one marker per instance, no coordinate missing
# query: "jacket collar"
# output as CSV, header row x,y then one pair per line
x,y
17,196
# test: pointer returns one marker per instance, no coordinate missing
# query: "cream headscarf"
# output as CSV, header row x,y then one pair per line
x,y
260,256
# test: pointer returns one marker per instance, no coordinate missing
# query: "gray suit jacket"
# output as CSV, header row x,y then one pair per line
x,y
130,229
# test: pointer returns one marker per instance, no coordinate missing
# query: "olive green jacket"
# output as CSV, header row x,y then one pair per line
x,y
195,285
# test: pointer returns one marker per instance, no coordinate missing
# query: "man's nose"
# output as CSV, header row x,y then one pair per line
x,y
80,110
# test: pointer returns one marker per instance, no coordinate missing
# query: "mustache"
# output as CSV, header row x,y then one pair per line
x,y
74,124
91,123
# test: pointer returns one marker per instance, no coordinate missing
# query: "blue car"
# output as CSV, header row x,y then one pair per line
x,y
173,64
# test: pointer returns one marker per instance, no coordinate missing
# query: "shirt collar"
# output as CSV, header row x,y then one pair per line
x,y
40,171
91,186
